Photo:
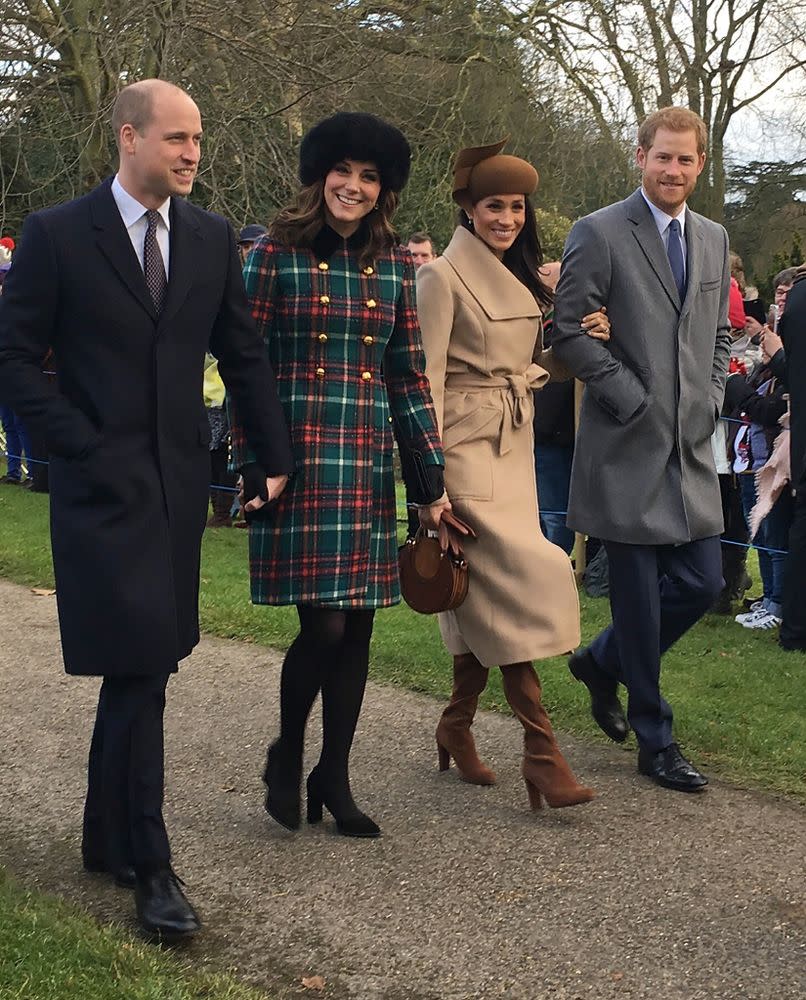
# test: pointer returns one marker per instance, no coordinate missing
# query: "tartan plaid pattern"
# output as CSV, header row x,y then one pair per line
x,y
332,537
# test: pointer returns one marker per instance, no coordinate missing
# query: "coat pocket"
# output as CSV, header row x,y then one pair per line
x,y
468,447
710,285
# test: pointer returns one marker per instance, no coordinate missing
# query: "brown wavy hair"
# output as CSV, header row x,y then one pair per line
x,y
298,224
525,257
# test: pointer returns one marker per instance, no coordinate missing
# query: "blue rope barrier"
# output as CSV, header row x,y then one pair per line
x,y
555,513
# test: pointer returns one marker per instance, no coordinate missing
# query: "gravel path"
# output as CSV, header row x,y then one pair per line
x,y
643,894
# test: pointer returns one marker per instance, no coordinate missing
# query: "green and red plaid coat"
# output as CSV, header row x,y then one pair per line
x,y
345,346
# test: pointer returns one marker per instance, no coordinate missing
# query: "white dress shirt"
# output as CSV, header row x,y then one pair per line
x,y
662,221
134,219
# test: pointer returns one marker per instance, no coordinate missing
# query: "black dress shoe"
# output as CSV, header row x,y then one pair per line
x,y
605,707
162,907
124,877
668,767
282,778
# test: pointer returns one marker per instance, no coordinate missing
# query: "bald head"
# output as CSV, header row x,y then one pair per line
x,y
135,104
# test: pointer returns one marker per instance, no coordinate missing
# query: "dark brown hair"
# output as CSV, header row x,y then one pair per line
x,y
524,257
298,224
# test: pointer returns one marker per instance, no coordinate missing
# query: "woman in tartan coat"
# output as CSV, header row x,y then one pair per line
x,y
333,295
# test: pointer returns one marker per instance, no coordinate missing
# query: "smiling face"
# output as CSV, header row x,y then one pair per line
x,y
498,219
162,159
670,168
352,189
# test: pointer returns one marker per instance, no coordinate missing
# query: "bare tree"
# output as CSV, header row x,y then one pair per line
x,y
627,57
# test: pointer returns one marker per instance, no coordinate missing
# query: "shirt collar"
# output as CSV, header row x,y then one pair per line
x,y
130,208
662,220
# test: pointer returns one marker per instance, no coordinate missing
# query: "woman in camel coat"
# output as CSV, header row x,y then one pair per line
x,y
479,307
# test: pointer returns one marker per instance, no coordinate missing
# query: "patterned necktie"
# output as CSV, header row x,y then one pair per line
x,y
153,265
674,250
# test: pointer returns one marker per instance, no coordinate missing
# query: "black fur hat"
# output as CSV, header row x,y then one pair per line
x,y
355,136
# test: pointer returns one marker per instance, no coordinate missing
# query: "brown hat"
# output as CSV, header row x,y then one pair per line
x,y
480,171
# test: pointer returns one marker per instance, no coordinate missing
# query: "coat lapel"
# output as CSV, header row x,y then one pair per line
x,y
646,232
492,285
116,246
694,260
186,239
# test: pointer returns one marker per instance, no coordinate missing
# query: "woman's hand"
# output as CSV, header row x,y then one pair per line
x,y
771,343
431,516
596,324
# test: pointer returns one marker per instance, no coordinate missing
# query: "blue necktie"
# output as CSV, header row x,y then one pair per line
x,y
674,250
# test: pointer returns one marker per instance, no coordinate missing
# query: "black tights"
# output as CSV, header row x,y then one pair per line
x,y
331,655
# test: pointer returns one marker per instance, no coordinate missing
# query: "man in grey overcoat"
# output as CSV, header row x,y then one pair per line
x,y
644,479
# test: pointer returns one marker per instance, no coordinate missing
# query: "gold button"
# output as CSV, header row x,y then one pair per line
x,y
389,420
324,299
371,303
320,372
369,270
368,341
323,265
366,376
322,338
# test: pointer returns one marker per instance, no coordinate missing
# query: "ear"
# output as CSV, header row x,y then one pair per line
x,y
700,164
640,157
128,139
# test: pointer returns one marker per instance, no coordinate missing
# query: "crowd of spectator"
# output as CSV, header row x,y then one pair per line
x,y
751,446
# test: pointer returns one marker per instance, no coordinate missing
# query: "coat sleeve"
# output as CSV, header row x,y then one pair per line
x,y
435,313
29,312
410,398
259,430
584,287
719,370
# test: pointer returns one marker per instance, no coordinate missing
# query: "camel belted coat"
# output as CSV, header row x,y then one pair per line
x,y
482,338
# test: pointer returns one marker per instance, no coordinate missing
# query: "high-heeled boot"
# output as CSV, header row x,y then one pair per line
x,y
454,738
545,770
282,777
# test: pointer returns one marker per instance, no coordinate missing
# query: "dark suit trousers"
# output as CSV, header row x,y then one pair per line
x,y
123,822
657,592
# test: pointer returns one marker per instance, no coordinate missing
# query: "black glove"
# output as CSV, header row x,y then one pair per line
x,y
254,485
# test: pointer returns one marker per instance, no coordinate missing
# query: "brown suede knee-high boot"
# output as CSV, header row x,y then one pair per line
x,y
545,770
454,738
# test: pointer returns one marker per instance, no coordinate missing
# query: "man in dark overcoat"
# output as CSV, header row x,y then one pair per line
x,y
131,285
643,478
793,333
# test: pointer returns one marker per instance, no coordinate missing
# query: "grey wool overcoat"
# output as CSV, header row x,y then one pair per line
x,y
643,467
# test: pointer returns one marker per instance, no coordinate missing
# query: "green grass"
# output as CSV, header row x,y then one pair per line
x,y
51,951
740,701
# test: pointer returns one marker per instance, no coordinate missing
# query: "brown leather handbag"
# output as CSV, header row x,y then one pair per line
x,y
432,580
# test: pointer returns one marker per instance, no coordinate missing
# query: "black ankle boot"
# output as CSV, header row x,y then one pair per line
x,y
350,821
282,777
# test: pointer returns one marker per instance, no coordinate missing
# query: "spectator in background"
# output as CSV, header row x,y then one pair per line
x,y
760,401
735,536
421,247
247,238
220,477
554,438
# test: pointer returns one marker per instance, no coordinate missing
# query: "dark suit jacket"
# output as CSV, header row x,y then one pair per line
x,y
126,427
793,334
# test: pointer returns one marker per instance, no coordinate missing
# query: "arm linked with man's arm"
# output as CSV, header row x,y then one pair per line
x,y
584,287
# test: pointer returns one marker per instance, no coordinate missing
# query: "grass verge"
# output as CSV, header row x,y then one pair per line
x,y
49,950
740,701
